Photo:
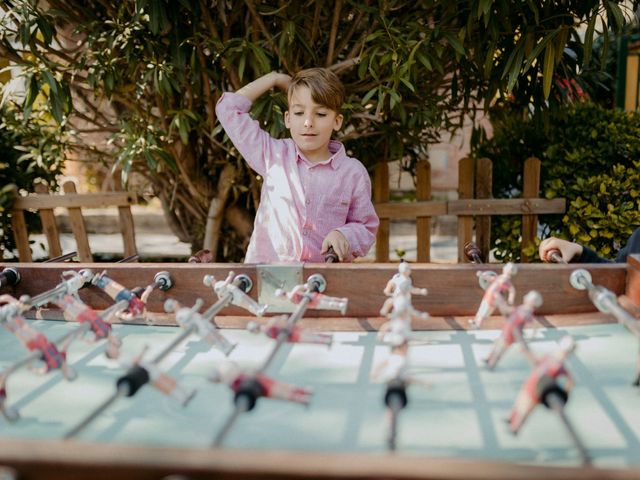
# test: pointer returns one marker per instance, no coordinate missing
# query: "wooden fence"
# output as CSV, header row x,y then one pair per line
x,y
74,202
473,208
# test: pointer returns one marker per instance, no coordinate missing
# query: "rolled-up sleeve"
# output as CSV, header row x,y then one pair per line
x,y
251,141
362,220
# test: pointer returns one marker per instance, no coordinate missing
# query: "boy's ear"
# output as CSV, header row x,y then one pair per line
x,y
286,118
337,124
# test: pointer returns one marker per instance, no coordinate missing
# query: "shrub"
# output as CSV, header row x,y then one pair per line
x,y
590,156
28,152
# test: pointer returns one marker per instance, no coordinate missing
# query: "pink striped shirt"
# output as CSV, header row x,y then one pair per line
x,y
301,202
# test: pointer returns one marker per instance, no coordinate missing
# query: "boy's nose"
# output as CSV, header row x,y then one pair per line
x,y
307,122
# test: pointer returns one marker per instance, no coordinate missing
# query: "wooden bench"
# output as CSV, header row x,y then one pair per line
x,y
74,202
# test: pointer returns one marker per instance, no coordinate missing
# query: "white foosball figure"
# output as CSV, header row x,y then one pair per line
x,y
500,293
238,297
401,313
403,275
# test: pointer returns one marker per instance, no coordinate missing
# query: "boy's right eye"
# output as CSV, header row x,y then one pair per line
x,y
298,113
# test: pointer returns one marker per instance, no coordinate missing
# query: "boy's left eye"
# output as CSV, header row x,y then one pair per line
x,y
322,114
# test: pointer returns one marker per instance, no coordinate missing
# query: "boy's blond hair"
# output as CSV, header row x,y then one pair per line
x,y
325,86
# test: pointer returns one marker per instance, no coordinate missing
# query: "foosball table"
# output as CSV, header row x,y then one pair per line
x,y
278,371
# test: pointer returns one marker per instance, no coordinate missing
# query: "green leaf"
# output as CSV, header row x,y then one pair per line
x,y
549,68
588,40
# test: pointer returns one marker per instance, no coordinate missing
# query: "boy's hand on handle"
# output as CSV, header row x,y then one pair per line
x,y
568,250
339,243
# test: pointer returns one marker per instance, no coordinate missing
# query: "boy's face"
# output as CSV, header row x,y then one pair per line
x,y
311,124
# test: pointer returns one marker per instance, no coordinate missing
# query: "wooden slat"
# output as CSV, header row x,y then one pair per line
x,y
78,227
423,223
381,194
411,210
453,289
58,460
631,83
633,279
127,229
49,225
465,191
483,184
21,235
530,189
506,206
76,200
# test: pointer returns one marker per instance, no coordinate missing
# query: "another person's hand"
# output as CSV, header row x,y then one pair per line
x,y
568,250
339,243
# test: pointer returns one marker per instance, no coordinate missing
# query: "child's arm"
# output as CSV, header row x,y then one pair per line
x,y
254,144
258,87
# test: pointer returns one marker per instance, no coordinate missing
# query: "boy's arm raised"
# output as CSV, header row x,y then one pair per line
x,y
258,87
232,110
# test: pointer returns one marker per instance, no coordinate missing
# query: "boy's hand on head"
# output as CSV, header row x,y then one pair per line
x,y
339,243
281,80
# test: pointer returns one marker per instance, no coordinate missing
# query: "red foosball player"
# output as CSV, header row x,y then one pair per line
x,y
513,329
249,387
500,293
543,385
82,313
295,334
317,300
142,372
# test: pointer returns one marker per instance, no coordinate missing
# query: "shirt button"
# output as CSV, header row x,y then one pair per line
x,y
304,232
307,201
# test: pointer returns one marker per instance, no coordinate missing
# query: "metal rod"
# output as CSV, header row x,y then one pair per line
x,y
61,258
129,259
557,405
174,343
120,392
72,285
395,406
241,406
555,256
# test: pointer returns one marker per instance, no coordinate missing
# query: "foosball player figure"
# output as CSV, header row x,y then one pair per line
x,y
401,313
75,309
317,300
513,329
249,387
548,379
295,334
499,293
403,275
227,287
203,328
140,373
137,297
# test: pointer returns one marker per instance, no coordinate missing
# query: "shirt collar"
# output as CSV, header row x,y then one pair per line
x,y
334,161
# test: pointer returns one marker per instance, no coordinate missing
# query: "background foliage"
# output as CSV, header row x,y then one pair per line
x,y
134,83
591,157
29,152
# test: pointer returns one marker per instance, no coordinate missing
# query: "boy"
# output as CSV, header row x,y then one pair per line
x,y
576,253
314,196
